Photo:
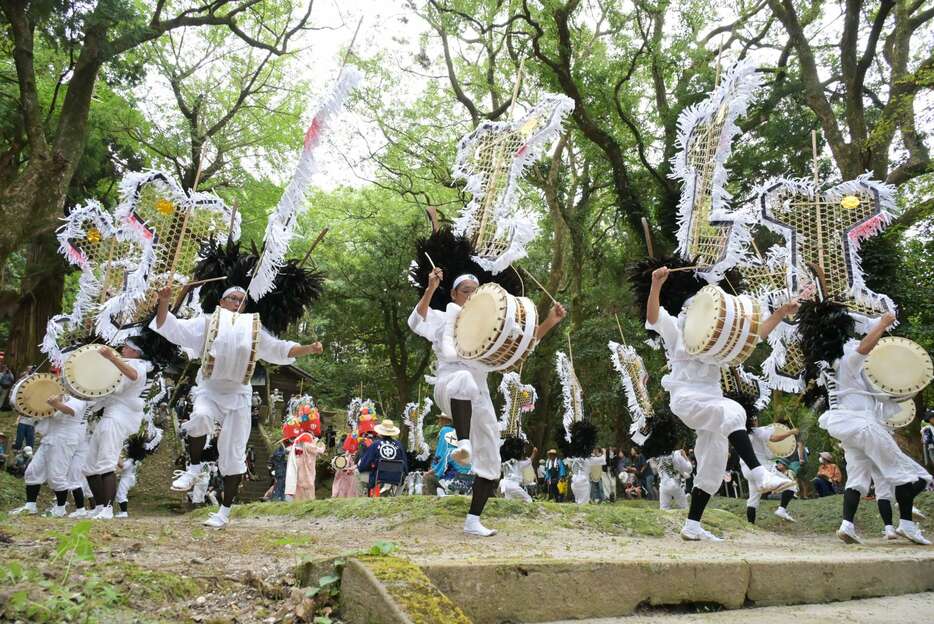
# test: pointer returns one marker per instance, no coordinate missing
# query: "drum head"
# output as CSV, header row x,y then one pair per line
x,y
899,367
479,320
339,462
904,417
784,448
33,392
701,319
88,375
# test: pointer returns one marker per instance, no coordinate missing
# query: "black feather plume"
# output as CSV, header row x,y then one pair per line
x,y
583,440
452,254
679,287
668,434
416,464
136,447
513,447
156,348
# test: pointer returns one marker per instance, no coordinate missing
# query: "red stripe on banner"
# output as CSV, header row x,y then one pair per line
x,y
312,133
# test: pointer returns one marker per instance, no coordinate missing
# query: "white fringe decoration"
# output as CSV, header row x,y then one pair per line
x,y
510,387
353,413
779,337
414,419
736,91
517,225
571,391
631,384
280,229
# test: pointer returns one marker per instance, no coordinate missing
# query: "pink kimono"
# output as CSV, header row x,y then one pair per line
x,y
345,483
300,472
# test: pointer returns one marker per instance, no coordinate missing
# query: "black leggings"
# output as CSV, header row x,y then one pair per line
x,y
483,489
699,500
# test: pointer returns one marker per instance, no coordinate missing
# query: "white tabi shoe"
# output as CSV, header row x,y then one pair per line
x,y
57,512
121,514
184,481
912,533
106,513
698,534
917,514
784,515
463,453
848,534
472,526
79,513
889,532
27,509
771,482
216,521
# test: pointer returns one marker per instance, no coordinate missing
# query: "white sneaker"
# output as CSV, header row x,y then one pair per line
x,y
184,481
913,534
472,526
917,514
57,512
889,532
848,535
26,509
784,515
772,482
698,535
106,513
121,514
216,521
79,513
463,453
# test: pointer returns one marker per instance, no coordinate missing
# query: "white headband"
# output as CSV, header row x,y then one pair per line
x,y
233,289
134,345
464,278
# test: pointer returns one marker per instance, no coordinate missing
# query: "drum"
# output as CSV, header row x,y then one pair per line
x,y
722,328
88,375
904,417
29,395
239,345
495,328
339,462
899,367
784,448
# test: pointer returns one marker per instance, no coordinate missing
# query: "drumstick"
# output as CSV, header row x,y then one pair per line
x,y
537,283
432,262
687,268
321,235
621,336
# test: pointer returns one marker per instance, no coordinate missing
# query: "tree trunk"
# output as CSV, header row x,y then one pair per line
x,y
40,298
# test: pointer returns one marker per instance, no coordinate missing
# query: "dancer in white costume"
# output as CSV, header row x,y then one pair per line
x,y
223,397
672,470
697,399
760,438
460,388
121,418
62,433
856,414
513,470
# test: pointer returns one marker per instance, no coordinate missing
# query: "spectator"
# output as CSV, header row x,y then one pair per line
x,y
25,426
330,437
20,462
278,462
927,437
596,478
828,476
384,448
447,472
555,471
3,451
250,464
6,382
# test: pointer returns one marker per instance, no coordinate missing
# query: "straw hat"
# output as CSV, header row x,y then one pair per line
x,y
387,428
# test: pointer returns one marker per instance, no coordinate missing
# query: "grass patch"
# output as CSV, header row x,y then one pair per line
x,y
146,586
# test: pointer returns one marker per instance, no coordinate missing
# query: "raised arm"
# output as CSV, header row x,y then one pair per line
x,y
434,280
301,350
870,340
554,317
659,276
778,437
128,371
776,317
165,298
59,404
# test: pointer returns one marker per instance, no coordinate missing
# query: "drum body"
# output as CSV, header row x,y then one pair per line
x,y
899,367
495,328
339,462
29,395
720,327
226,321
904,417
88,375
784,448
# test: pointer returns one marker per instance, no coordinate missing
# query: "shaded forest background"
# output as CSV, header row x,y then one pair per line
x,y
89,91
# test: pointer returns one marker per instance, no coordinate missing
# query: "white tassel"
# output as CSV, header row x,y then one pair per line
x,y
510,386
280,229
631,385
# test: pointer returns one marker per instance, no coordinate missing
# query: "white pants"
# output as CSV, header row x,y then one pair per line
x,y
513,491
76,466
127,480
580,486
755,495
235,431
117,424
871,451
50,465
671,494
484,427
713,418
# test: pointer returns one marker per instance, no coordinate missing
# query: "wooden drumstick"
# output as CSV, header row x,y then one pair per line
x,y
620,327
687,268
321,236
430,261
537,283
